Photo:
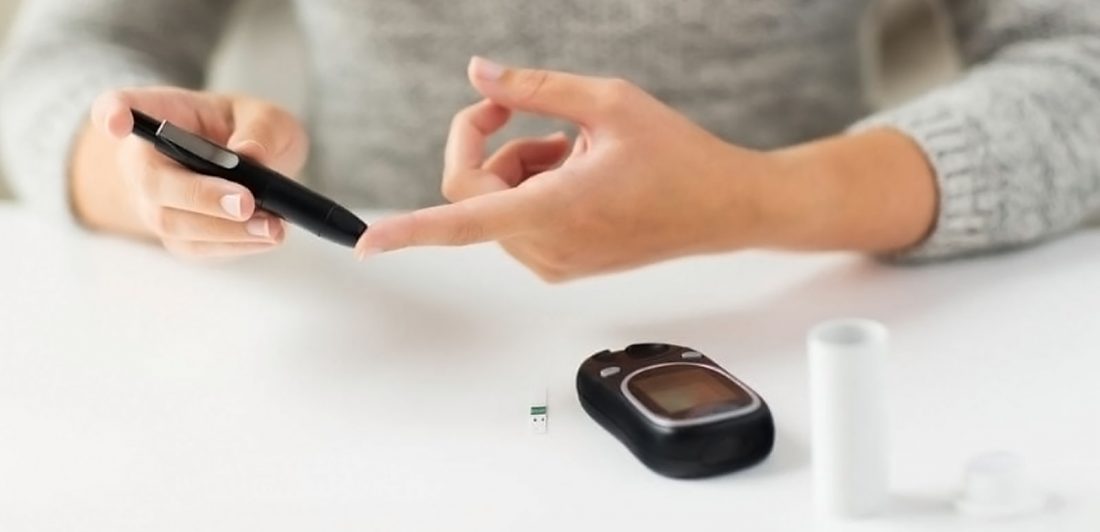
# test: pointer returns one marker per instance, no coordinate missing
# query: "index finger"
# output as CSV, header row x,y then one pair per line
x,y
470,129
111,110
268,134
578,99
493,216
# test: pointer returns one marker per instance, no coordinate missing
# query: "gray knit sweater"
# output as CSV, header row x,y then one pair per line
x,y
1015,142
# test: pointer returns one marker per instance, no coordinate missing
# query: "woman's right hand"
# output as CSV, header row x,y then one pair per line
x,y
122,184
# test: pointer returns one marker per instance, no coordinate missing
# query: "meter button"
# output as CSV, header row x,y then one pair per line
x,y
640,351
691,355
609,371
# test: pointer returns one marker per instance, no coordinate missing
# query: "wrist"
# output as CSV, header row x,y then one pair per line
x,y
873,191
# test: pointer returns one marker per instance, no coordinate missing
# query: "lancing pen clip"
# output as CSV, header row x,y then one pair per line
x,y
274,192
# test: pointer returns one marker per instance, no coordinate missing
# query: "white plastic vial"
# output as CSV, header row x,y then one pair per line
x,y
847,359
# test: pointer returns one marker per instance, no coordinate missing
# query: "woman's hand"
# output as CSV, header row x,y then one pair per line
x,y
640,184
122,184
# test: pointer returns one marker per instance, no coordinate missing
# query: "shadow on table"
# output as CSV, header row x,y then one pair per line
x,y
379,308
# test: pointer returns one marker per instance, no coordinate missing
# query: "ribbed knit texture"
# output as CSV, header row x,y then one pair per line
x,y
1015,143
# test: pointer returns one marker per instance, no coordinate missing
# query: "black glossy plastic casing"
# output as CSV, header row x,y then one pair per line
x,y
273,191
681,452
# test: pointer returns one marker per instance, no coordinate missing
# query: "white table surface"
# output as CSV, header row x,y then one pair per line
x,y
305,391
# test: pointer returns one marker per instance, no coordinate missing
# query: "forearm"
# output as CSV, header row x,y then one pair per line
x,y
873,192
1012,141
44,107
62,54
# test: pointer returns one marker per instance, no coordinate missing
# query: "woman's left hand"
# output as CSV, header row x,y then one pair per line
x,y
641,183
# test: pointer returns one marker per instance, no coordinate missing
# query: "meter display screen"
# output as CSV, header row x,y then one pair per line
x,y
683,391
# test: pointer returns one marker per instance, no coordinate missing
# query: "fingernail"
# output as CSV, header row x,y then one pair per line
x,y
554,136
231,204
486,69
275,227
368,252
258,227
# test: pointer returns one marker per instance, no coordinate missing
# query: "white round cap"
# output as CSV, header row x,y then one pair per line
x,y
995,485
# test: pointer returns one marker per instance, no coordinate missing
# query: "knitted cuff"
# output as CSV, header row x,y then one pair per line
x,y
39,139
953,147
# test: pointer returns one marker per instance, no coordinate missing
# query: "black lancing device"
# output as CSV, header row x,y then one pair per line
x,y
274,192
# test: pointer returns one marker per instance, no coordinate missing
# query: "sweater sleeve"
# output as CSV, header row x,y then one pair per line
x,y
1015,142
62,54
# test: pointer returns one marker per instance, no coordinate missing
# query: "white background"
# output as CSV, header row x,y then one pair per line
x,y
303,390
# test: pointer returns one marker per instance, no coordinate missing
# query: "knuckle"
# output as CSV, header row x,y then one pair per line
x,y
513,146
411,231
466,230
620,88
267,111
615,95
530,83
467,233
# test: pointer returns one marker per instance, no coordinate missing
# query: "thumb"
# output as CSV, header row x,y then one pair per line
x,y
579,99
269,135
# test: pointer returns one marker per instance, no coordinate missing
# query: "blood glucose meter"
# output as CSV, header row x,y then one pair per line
x,y
678,411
